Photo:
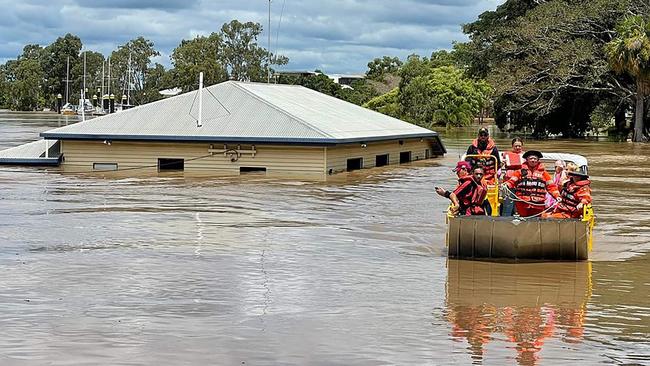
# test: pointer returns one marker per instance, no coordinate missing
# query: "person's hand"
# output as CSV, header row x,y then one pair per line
x,y
579,206
440,191
558,199
454,209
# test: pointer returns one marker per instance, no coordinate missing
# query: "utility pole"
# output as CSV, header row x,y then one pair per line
x,y
268,68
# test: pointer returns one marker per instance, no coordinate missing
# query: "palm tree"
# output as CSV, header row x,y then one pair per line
x,y
629,53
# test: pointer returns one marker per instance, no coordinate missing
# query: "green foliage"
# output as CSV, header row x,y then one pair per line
x,y
359,92
602,117
443,96
200,54
379,67
546,60
25,93
386,103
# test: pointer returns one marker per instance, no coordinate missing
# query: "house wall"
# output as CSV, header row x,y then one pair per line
x,y
338,156
81,155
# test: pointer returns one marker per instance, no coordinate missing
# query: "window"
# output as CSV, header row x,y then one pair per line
x,y
405,157
171,164
104,166
427,154
252,169
355,164
381,160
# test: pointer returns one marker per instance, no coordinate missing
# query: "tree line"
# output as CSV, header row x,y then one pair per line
x,y
549,66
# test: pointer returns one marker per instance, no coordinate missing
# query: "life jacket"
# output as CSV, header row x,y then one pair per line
x,y
471,204
572,194
532,185
489,165
512,162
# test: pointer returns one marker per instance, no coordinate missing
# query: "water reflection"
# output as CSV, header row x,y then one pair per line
x,y
521,304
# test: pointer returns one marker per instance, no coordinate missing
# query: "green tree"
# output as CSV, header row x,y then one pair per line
x,y
25,91
387,103
55,57
443,96
132,76
629,53
201,54
379,67
242,57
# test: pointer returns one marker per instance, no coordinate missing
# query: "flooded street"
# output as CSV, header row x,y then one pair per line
x,y
182,270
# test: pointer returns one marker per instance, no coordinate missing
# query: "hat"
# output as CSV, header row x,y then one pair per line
x,y
578,173
462,164
532,153
484,131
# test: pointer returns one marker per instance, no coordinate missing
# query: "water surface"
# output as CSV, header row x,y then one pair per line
x,y
179,270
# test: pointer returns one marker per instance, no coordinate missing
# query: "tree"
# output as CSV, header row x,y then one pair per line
x,y
132,76
443,96
55,57
379,67
386,103
157,78
201,54
629,53
25,91
243,58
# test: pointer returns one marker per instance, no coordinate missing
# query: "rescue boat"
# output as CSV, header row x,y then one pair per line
x,y
521,238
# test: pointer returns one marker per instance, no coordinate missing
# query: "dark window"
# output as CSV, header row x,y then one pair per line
x,y
355,164
171,164
104,166
381,160
252,169
404,157
427,154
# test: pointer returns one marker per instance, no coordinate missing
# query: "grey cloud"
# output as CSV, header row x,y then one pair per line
x,y
335,36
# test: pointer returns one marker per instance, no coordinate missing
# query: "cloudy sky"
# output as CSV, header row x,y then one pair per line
x,y
336,36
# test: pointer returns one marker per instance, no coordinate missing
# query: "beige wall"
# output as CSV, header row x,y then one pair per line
x,y
337,156
293,160
81,155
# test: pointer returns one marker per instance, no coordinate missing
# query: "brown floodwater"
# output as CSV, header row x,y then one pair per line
x,y
182,270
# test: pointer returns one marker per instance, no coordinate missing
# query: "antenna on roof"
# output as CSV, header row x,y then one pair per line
x,y
199,122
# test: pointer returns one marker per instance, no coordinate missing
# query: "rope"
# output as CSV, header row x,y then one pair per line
x,y
517,199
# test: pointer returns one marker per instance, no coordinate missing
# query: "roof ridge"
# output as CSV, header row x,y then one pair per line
x,y
298,119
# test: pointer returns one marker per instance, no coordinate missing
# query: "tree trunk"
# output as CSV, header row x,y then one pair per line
x,y
639,114
619,118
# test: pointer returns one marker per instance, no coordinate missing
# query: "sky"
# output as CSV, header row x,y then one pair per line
x,y
336,36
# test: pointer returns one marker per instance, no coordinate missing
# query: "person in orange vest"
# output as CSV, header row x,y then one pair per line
x,y
530,184
468,197
575,194
462,170
484,145
512,161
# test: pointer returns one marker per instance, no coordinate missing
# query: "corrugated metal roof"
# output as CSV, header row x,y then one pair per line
x,y
31,153
238,111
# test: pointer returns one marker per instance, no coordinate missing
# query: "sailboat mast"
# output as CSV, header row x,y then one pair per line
x,y
103,64
67,80
83,94
109,76
128,82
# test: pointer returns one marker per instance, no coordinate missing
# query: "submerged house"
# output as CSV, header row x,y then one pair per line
x,y
236,127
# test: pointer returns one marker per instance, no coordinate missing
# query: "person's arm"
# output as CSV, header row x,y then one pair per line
x,y
442,192
495,153
584,194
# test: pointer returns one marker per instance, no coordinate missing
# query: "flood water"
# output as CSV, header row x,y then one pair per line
x,y
181,270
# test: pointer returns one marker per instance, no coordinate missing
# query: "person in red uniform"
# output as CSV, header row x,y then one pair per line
x,y
469,194
512,161
484,145
530,184
575,194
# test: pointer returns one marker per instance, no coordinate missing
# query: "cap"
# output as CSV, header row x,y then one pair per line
x,y
532,153
484,131
578,173
462,164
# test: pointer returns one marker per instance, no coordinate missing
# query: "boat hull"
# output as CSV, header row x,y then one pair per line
x,y
487,238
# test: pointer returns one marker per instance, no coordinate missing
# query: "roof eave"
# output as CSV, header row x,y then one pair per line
x,y
245,139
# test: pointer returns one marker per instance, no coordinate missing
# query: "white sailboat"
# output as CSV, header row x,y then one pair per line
x,y
68,109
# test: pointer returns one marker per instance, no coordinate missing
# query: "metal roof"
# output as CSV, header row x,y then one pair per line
x,y
32,153
252,112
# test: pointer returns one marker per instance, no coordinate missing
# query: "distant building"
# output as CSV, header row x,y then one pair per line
x,y
346,79
244,127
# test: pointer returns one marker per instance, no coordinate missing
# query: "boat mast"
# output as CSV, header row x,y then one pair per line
x,y
128,82
83,93
109,76
102,93
67,81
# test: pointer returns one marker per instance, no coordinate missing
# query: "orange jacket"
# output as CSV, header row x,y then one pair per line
x,y
532,184
574,193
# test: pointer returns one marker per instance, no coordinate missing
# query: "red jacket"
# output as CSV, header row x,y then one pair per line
x,y
574,193
470,196
532,184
